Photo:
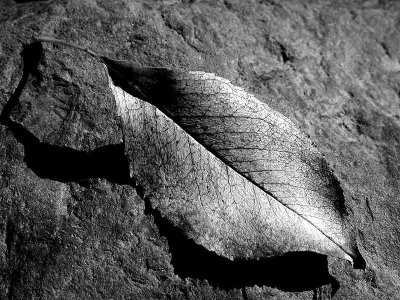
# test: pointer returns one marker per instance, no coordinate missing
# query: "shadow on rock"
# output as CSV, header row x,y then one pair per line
x,y
296,271
56,162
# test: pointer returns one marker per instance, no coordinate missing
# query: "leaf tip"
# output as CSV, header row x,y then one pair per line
x,y
358,261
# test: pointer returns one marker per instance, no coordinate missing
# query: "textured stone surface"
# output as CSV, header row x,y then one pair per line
x,y
72,226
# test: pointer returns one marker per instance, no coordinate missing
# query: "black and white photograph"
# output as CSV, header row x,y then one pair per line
x,y
200,149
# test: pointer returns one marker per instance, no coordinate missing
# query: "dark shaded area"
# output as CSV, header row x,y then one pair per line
x,y
66,164
297,271
286,56
294,271
146,83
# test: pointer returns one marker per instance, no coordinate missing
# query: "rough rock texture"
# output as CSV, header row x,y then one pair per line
x,y
71,224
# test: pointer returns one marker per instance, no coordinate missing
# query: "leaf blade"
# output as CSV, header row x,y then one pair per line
x,y
235,129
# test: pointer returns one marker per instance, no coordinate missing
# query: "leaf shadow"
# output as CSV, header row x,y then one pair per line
x,y
295,272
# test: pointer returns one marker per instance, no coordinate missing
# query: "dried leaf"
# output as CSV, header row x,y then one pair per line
x,y
236,176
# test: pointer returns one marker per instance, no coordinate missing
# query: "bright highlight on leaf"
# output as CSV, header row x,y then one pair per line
x,y
236,176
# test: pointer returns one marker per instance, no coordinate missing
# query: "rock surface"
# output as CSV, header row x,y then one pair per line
x,y
71,224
